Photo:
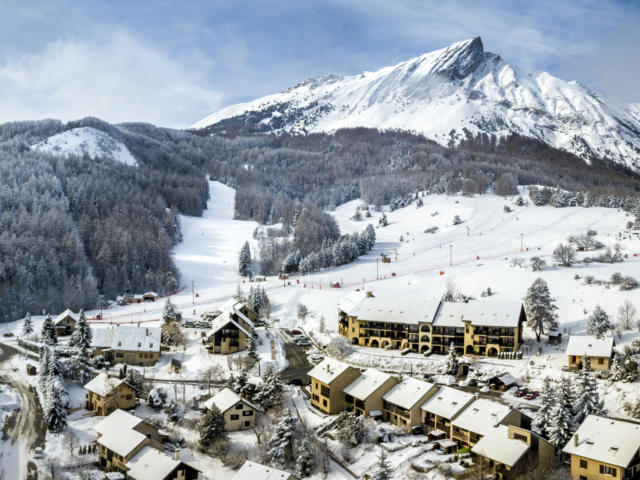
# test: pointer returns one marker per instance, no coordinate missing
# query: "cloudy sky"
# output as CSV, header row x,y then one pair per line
x,y
172,63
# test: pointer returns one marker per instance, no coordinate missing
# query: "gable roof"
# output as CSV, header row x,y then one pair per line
x,y
447,402
489,313
117,421
450,315
226,399
222,321
328,370
151,464
408,392
233,306
605,440
496,445
408,309
103,385
481,416
122,442
590,346
255,471
65,314
128,338
367,384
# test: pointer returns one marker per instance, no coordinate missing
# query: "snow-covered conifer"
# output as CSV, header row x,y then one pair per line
x,y
616,371
281,442
211,427
540,308
561,419
382,469
269,391
82,335
547,402
27,325
48,334
244,260
383,222
452,360
55,409
598,323
585,394
305,458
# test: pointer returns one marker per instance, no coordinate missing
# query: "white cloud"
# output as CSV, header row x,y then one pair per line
x,y
118,79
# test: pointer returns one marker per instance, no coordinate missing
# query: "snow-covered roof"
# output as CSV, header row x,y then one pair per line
x,y
255,471
103,385
481,416
447,402
328,370
150,294
605,440
222,321
128,338
226,399
506,378
65,314
590,346
411,309
497,446
367,384
450,315
489,313
122,442
151,464
408,392
117,421
233,306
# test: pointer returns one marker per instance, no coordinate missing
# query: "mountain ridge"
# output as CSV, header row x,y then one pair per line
x,y
448,95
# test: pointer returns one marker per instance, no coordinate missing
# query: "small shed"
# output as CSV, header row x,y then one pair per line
x,y
150,297
502,382
176,366
555,337
447,446
31,369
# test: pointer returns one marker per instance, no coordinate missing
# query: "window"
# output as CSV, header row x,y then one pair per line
x,y
247,423
600,361
235,417
584,464
129,397
139,344
324,403
247,413
239,406
315,397
119,344
605,470
119,355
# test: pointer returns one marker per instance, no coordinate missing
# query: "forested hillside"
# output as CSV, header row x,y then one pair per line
x,y
73,228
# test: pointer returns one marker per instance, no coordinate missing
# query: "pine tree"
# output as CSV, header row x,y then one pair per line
x,y
48,332
635,409
281,442
383,469
383,222
27,325
586,400
82,335
616,371
55,412
547,402
211,427
540,308
630,370
253,345
56,368
598,323
43,376
269,391
561,419
305,458
305,266
168,311
452,360
244,261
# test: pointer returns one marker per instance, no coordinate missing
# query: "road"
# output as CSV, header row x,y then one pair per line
x,y
298,365
24,429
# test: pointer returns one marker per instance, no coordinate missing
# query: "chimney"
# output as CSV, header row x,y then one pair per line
x,y
176,454
327,368
575,440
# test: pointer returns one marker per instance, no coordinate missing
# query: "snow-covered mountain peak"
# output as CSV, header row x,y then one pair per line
x,y
87,141
447,95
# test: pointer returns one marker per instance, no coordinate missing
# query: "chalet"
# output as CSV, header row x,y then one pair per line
x,y
121,436
364,395
599,351
127,344
604,449
132,298
237,412
328,380
507,452
231,330
255,471
152,464
555,337
443,407
502,382
384,322
480,417
149,297
65,323
106,394
401,405
481,327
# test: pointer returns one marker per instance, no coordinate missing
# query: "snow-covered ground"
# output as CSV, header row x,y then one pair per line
x,y
87,141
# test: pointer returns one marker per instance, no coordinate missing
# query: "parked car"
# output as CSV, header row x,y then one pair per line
x,y
295,332
531,396
303,342
38,453
521,392
259,323
316,358
7,334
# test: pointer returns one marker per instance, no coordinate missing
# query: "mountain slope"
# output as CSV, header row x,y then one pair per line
x,y
87,141
446,95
